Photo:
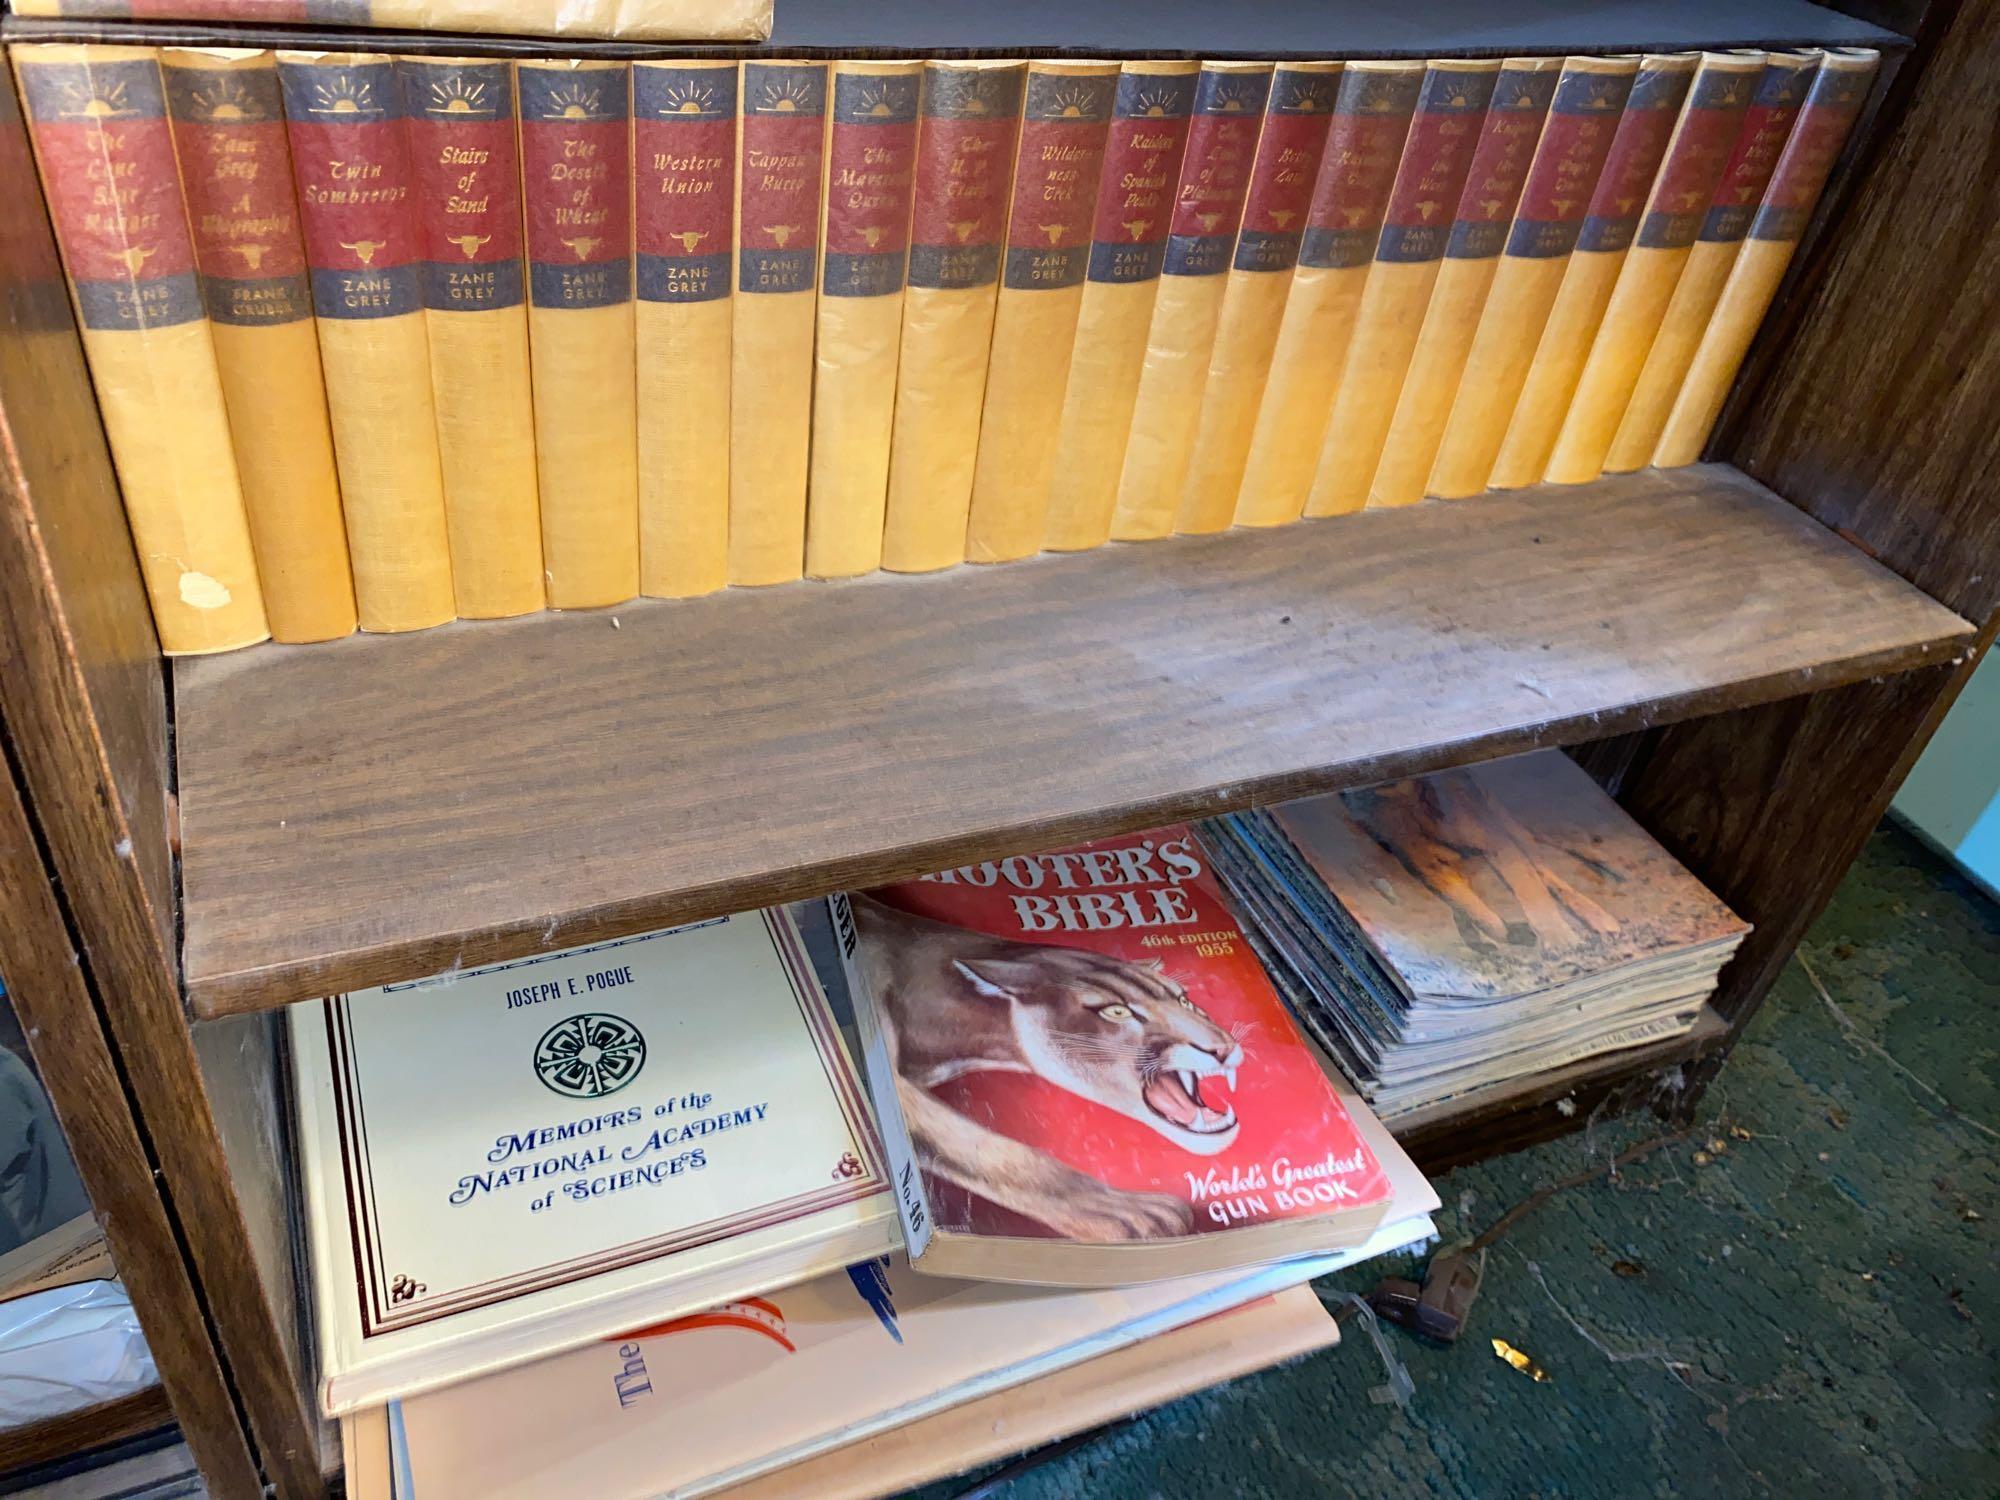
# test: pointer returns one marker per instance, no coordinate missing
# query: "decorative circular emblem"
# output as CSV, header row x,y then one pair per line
x,y
589,1056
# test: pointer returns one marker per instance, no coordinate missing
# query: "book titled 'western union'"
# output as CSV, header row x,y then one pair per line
x,y
229,137
684,224
99,123
357,203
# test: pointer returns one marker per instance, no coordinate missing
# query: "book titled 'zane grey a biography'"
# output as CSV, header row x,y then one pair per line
x,y
509,1161
1084,1077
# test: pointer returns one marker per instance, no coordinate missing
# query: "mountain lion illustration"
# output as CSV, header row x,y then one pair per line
x,y
1122,1035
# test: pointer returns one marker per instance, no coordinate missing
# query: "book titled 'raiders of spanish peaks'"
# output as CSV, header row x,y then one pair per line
x,y
1084,1077
510,1161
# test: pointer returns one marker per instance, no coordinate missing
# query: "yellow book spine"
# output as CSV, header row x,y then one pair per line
x,y
1507,142
1583,122
781,141
1296,118
684,230
576,189
365,253
965,162
1766,125
1065,124
1443,136
463,132
1701,147
1838,93
1144,148
871,148
1208,209
1371,120
229,138
98,118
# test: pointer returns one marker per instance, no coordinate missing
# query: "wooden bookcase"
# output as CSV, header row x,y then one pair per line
x,y
1750,653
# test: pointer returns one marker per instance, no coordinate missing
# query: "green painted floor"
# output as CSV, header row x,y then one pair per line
x,y
1801,1299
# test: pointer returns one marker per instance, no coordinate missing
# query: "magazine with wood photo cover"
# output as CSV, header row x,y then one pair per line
x,y
1084,1077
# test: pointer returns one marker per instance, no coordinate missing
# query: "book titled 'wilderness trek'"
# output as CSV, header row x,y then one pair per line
x,y
1084,1077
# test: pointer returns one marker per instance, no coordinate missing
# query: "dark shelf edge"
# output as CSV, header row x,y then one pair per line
x,y
250,990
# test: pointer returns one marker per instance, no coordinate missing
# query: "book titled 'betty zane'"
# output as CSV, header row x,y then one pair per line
x,y
507,1162
1084,1077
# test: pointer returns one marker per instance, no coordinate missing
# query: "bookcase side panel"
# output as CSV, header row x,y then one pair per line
x,y
83,689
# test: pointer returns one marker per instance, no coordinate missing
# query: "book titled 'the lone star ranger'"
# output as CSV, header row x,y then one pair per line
x,y
506,1162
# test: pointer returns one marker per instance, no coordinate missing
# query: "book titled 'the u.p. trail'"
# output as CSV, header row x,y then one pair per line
x,y
506,1162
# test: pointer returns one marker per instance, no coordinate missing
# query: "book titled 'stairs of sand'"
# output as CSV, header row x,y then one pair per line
x,y
509,1161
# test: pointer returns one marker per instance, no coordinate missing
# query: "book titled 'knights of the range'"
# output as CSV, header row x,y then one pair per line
x,y
1085,1078
503,1163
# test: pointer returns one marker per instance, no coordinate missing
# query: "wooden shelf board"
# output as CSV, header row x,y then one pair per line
x,y
75,1433
382,808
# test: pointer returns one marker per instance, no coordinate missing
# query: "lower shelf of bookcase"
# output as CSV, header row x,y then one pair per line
x,y
389,806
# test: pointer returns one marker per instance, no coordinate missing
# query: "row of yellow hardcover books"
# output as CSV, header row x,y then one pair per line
x,y
1044,305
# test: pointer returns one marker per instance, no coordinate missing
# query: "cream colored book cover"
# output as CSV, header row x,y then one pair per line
x,y
576,189
364,248
505,1162
1652,110
463,141
966,143
1296,120
684,230
1838,94
1443,136
1371,121
132,278
1569,162
1767,124
1228,118
1143,151
1065,125
1707,132
229,138
781,151
1507,141
870,166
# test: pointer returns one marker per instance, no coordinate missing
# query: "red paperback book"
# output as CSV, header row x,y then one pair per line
x,y
1084,1077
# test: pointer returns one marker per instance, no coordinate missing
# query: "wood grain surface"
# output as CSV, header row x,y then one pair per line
x,y
78,1432
381,808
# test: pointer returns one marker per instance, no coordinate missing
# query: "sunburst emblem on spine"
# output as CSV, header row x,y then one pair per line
x,y
785,95
456,94
94,103
979,94
1233,96
577,101
1073,102
1604,96
342,94
223,100
589,1056
879,101
1156,103
689,99
1309,96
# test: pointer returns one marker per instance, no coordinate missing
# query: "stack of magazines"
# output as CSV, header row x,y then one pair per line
x,y
1455,932
643,1191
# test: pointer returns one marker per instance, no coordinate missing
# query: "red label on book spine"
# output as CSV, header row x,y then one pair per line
x,y
114,193
1583,121
1143,152
1823,127
357,200
1429,180
1500,164
784,109
870,169
1694,162
684,177
1629,166
1364,142
965,157
576,175
1215,175
1767,124
1286,167
461,124
1063,134
229,133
